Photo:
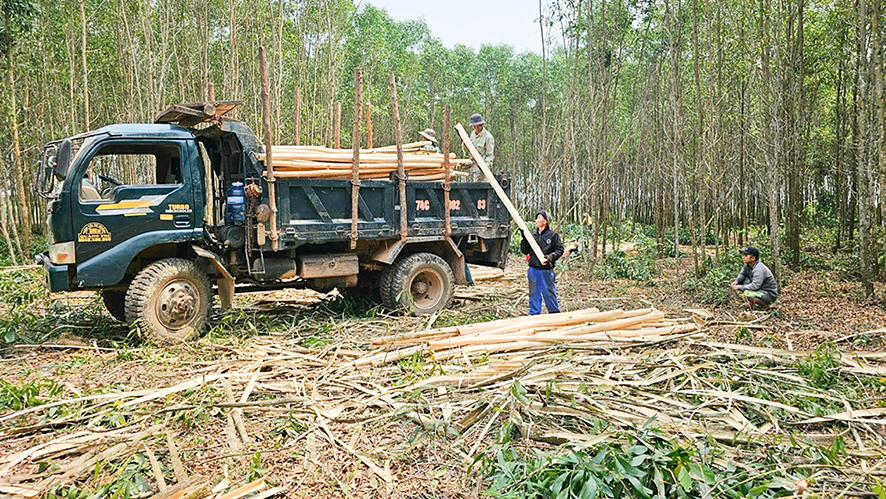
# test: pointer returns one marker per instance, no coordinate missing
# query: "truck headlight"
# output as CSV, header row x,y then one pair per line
x,y
62,253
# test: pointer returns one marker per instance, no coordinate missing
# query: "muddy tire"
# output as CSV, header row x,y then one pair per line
x,y
169,300
420,284
115,303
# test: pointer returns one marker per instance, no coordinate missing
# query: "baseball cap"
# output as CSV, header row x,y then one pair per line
x,y
750,250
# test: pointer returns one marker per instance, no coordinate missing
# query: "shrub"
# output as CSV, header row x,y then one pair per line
x,y
713,286
618,265
646,465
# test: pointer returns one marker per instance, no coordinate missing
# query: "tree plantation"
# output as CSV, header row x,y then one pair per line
x,y
660,136
702,119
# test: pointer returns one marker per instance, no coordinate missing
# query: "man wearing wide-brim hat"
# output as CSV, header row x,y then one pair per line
x,y
484,142
431,135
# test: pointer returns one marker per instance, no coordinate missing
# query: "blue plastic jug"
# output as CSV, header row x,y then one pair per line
x,y
235,206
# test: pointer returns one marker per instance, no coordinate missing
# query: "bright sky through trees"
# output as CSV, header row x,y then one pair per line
x,y
474,23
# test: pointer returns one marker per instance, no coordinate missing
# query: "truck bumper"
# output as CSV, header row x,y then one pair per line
x,y
56,277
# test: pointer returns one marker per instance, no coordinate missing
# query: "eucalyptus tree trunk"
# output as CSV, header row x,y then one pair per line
x,y
24,214
795,120
863,163
4,223
770,139
879,104
87,118
677,170
700,156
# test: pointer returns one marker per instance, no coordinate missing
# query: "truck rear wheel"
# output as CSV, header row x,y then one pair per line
x,y
169,299
115,303
421,283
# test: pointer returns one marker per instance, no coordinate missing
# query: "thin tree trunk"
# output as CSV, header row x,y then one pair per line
x,y
865,180
87,117
337,125
296,126
879,104
769,141
4,223
24,214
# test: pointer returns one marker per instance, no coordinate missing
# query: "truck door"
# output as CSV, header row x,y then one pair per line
x,y
129,188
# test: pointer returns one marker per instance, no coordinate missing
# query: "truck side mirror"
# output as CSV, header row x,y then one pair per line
x,y
63,160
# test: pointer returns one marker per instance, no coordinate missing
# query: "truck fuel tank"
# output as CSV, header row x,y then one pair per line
x,y
328,265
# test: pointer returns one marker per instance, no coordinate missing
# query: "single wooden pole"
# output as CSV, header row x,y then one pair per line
x,y
401,170
501,193
269,163
297,127
338,125
368,125
355,166
448,168
211,92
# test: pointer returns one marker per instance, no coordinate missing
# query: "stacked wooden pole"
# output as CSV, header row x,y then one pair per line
x,y
323,162
507,335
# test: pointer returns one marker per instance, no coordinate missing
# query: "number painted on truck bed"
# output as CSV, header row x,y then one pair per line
x,y
455,204
423,204
481,204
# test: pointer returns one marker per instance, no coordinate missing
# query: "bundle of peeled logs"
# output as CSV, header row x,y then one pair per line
x,y
323,162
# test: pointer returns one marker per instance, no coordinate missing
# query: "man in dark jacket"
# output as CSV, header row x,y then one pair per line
x,y
755,281
542,279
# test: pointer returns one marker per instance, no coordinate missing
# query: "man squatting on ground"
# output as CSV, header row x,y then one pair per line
x,y
542,280
755,281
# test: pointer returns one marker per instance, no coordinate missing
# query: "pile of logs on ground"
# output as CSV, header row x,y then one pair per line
x,y
520,333
323,162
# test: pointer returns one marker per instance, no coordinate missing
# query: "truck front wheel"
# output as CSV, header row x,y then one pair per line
x,y
169,299
421,283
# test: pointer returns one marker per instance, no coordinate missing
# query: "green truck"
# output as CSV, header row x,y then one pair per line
x,y
195,218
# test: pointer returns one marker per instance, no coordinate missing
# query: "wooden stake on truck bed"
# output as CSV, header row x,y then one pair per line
x,y
355,142
401,170
501,193
269,164
448,168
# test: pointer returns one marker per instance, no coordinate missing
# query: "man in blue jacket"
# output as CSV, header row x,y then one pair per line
x,y
755,281
542,285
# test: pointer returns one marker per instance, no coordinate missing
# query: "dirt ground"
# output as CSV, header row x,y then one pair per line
x,y
333,462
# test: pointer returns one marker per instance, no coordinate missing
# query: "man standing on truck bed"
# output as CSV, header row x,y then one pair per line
x,y
542,280
485,144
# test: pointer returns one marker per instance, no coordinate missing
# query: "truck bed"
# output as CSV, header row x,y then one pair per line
x,y
318,211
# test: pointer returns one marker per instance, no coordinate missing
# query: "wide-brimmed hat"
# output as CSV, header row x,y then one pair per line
x,y
429,134
476,119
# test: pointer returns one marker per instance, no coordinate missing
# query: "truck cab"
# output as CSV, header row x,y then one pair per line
x,y
99,220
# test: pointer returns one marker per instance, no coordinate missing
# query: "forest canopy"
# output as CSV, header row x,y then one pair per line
x,y
699,119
